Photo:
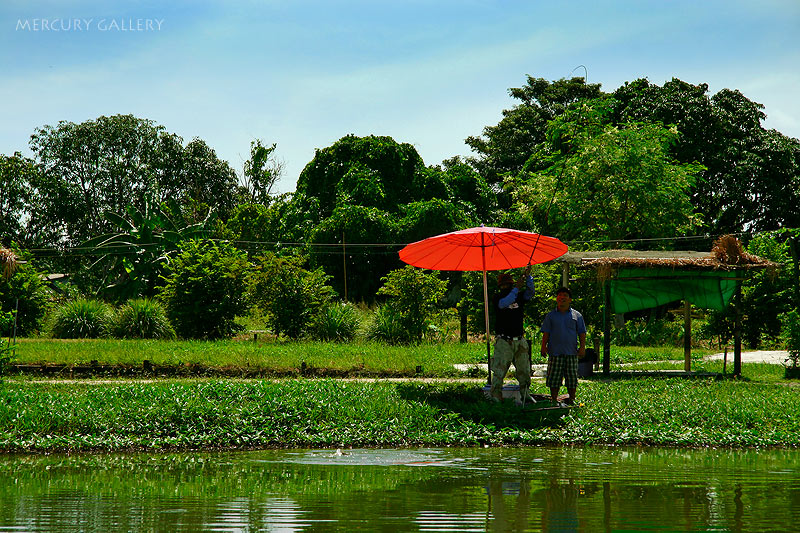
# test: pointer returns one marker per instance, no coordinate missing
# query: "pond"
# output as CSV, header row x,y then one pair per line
x,y
454,489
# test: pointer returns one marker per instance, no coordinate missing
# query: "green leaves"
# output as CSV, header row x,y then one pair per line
x,y
413,302
136,256
205,289
290,295
612,183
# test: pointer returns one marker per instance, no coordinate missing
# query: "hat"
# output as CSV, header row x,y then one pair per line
x,y
503,279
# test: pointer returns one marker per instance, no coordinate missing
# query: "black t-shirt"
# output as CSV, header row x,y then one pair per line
x,y
508,321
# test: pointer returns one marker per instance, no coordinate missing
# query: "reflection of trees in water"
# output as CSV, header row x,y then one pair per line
x,y
495,490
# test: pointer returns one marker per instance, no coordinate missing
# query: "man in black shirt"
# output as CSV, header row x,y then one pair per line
x,y
510,344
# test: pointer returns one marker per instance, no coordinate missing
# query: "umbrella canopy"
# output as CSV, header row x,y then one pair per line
x,y
480,249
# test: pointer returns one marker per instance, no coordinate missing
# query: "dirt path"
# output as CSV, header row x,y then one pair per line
x,y
775,357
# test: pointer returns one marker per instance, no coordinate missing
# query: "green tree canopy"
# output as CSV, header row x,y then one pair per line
x,y
608,183
751,178
109,163
506,147
369,171
16,174
367,191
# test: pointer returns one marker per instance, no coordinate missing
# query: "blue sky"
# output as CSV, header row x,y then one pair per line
x,y
303,73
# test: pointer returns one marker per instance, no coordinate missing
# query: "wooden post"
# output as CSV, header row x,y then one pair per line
x,y
344,266
687,336
565,274
737,332
607,328
462,312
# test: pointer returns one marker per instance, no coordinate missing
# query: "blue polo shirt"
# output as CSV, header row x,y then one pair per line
x,y
564,329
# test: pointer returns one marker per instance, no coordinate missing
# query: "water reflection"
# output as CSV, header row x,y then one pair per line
x,y
507,489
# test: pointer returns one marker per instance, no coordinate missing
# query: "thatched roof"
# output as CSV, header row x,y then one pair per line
x,y
727,254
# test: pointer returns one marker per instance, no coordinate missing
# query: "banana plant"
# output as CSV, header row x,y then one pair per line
x,y
134,257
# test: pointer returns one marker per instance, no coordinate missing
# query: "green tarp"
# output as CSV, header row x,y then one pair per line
x,y
633,289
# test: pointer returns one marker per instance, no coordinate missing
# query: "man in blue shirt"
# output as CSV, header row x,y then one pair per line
x,y
563,341
510,344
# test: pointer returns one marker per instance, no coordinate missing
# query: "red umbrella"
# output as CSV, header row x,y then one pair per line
x,y
480,249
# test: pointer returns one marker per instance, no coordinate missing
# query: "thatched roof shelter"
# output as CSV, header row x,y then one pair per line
x,y
635,280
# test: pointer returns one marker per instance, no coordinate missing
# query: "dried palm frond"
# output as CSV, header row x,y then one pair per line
x,y
8,262
728,250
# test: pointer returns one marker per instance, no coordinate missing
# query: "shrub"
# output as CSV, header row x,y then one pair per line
x,y
336,322
205,290
82,319
142,319
791,335
413,301
289,295
639,332
26,284
6,349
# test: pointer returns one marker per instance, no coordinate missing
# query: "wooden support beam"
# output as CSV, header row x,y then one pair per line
x,y
737,333
606,328
565,274
687,336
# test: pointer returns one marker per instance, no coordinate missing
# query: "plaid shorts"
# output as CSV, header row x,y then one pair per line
x,y
562,367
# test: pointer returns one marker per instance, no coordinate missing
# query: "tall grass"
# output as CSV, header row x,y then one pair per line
x,y
142,318
82,319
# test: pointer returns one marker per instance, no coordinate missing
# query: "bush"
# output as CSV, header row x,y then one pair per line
x,y
791,335
6,349
26,284
206,290
82,319
639,332
142,319
289,295
336,322
413,302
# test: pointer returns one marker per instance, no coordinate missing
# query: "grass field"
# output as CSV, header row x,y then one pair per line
x,y
356,357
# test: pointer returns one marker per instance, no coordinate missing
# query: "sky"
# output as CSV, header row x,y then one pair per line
x,y
304,73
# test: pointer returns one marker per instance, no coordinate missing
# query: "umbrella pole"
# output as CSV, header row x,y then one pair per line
x,y
486,319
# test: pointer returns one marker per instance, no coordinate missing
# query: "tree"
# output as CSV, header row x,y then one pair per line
x,y
361,228
23,290
367,191
750,180
606,182
506,147
261,172
16,174
281,227
109,163
412,300
751,176
369,171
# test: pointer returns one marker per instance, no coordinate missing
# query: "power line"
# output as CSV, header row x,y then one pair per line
x,y
124,249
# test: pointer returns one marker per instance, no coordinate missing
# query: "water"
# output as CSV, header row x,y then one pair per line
x,y
512,489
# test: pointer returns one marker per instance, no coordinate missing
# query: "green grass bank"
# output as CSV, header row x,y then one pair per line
x,y
159,415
